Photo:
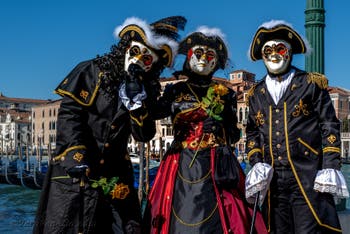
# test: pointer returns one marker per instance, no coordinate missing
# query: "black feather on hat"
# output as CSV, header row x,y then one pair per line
x,y
211,37
160,35
277,29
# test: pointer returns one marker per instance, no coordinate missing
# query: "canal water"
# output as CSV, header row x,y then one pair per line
x,y
18,206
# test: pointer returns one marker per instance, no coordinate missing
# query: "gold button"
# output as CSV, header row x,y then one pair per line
x,y
279,158
277,133
277,121
306,152
62,158
113,127
278,146
107,145
277,110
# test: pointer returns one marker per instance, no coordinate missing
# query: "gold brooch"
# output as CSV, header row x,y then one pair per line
x,y
84,94
78,156
251,144
331,138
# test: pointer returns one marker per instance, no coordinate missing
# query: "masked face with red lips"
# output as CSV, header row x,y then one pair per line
x,y
202,59
141,55
277,56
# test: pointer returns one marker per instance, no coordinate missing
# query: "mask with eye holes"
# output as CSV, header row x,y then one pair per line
x,y
141,55
277,56
202,59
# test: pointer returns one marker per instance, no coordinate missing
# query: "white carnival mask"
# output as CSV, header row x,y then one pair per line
x,y
141,55
276,55
202,59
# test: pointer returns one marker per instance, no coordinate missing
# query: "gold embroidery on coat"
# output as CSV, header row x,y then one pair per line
x,y
259,119
78,156
182,96
301,107
251,144
331,138
84,94
262,90
319,79
294,87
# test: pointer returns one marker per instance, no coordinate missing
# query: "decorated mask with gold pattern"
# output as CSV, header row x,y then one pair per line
x,y
141,55
202,59
277,56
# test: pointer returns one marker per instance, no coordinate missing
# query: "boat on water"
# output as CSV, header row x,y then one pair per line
x,y
20,172
31,173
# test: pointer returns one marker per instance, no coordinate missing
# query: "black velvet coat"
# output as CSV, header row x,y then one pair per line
x,y
93,128
301,131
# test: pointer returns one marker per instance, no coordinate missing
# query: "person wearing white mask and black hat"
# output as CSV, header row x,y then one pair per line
x,y
199,187
293,138
89,187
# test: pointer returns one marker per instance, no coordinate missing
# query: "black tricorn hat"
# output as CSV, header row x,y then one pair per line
x,y
161,35
277,29
211,37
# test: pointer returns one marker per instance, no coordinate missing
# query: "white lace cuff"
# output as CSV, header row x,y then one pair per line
x,y
331,181
136,102
258,179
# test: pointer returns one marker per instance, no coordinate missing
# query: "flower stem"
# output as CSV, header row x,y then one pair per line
x,y
195,154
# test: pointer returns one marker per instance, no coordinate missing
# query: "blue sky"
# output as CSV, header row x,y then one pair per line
x,y
42,40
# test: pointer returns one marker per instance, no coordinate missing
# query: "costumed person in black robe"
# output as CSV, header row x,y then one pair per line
x,y
89,187
199,186
293,138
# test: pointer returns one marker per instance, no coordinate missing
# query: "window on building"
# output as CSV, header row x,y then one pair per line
x,y
43,114
50,112
240,115
168,131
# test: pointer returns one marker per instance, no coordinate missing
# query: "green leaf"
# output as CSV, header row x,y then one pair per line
x,y
206,101
217,117
94,185
105,190
218,108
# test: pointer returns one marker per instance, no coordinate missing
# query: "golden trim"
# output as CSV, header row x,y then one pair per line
x,y
319,79
169,54
198,223
297,177
63,93
195,181
139,122
166,26
135,28
331,149
307,146
77,147
256,37
272,163
270,136
253,151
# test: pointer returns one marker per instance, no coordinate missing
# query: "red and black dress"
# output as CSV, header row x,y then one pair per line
x,y
199,187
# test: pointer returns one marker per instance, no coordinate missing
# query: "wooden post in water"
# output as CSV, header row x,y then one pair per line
x,y
147,167
141,170
160,149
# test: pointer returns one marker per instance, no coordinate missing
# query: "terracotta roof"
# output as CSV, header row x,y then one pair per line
x,y
341,91
22,100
